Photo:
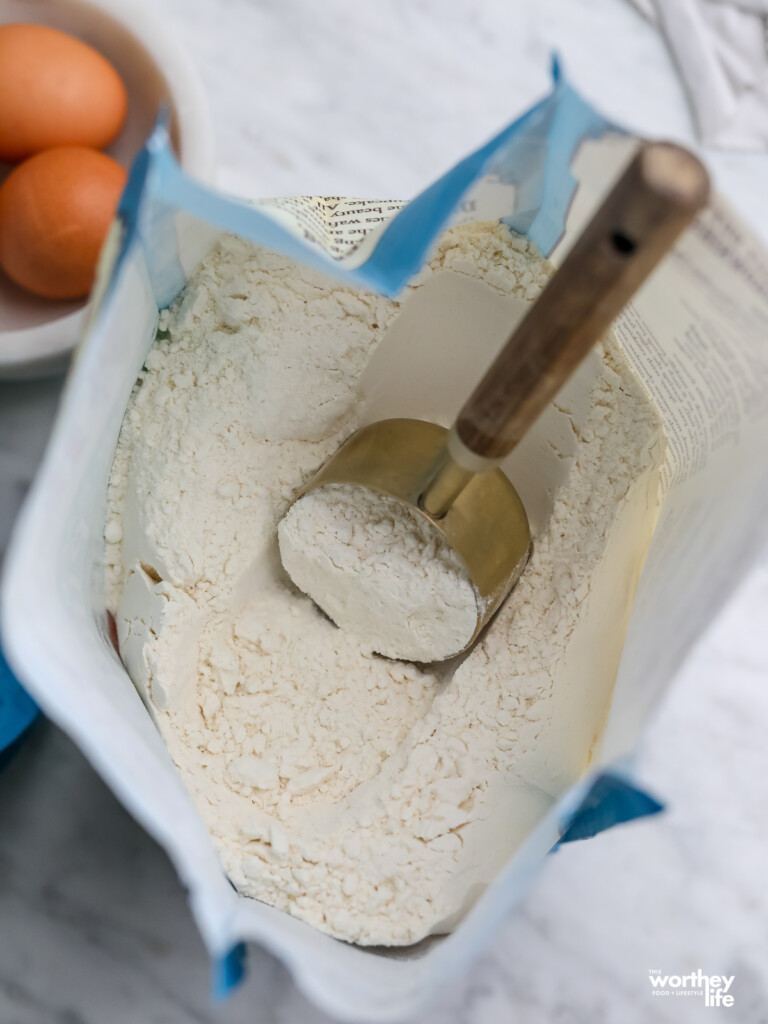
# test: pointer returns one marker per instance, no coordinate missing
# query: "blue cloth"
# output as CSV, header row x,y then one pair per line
x,y
17,711
610,801
229,971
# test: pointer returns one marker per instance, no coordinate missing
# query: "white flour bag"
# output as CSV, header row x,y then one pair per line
x,y
646,486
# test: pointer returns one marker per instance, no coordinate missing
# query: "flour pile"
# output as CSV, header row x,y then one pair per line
x,y
371,798
383,573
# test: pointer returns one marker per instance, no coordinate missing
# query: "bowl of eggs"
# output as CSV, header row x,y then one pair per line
x,y
81,84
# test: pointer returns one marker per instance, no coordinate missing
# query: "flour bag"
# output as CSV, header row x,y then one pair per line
x,y
414,836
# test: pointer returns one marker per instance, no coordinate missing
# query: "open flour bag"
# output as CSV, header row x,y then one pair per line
x,y
305,790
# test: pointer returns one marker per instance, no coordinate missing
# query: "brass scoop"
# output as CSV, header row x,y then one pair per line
x,y
450,476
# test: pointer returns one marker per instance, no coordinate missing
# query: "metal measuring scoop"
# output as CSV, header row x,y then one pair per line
x,y
451,477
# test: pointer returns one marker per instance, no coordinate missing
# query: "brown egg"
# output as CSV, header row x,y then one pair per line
x,y
55,210
55,91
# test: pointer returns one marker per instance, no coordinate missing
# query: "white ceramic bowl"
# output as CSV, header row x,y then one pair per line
x,y
37,335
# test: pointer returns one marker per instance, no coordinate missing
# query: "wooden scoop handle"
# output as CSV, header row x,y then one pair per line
x,y
656,198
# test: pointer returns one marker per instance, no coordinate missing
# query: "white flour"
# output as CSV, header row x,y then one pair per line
x,y
381,572
369,797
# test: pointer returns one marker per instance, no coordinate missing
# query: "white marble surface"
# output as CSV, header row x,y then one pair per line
x,y
376,99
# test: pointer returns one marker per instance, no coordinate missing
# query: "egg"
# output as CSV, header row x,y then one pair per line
x,y
55,210
55,91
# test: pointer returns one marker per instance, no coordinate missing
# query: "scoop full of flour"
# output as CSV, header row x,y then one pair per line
x,y
380,571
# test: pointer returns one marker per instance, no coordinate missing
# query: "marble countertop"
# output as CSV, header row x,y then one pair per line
x,y
349,98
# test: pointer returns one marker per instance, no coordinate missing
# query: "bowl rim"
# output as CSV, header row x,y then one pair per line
x,y
43,349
